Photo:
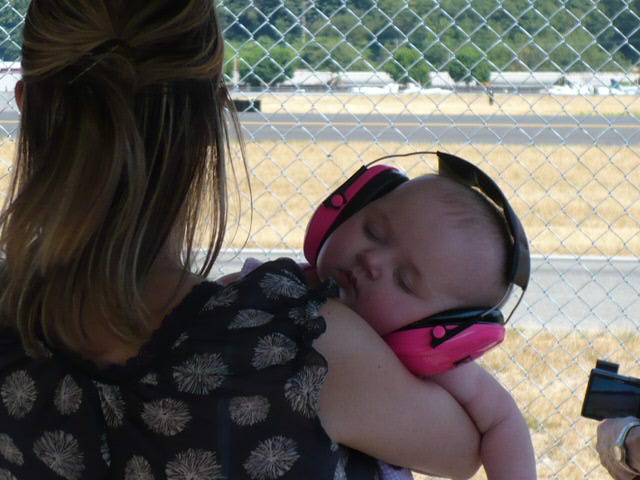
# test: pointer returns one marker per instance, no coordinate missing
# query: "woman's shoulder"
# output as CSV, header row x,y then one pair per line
x,y
278,284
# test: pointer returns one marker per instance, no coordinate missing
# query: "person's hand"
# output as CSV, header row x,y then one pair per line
x,y
608,432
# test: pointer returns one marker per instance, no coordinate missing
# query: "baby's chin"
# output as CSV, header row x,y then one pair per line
x,y
347,299
344,298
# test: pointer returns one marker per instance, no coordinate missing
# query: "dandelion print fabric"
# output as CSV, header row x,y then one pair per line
x,y
227,388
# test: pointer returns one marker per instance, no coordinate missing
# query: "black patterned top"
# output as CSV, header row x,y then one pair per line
x,y
227,388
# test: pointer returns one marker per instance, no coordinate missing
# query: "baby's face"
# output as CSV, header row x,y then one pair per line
x,y
399,260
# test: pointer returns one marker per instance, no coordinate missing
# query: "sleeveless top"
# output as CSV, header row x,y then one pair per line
x,y
227,388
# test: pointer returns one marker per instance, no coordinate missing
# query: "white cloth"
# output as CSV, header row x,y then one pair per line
x,y
387,472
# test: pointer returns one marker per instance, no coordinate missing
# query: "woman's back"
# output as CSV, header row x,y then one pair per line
x,y
228,387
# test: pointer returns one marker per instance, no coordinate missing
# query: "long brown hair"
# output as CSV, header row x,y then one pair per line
x,y
123,136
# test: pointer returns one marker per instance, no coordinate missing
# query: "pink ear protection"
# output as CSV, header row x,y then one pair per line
x,y
443,341
363,187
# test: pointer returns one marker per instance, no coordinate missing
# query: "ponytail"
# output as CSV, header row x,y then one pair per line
x,y
108,164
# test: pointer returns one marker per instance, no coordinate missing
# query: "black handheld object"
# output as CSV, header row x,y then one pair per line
x,y
610,395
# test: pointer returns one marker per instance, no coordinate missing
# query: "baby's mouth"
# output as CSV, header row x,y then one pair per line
x,y
348,282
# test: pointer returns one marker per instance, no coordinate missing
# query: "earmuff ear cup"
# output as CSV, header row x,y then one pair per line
x,y
414,347
445,340
362,188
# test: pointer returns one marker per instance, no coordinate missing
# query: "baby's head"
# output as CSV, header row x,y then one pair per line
x,y
428,246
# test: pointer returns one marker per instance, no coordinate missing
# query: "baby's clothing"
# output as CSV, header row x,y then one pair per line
x,y
227,388
389,472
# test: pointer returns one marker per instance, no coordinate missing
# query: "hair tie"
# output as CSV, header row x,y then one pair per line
x,y
110,45
99,52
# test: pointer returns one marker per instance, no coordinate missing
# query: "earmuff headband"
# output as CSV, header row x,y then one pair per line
x,y
362,188
466,173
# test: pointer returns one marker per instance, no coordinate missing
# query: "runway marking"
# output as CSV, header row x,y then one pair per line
x,y
443,124
427,124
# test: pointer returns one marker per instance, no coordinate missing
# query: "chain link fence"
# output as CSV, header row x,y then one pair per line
x,y
541,94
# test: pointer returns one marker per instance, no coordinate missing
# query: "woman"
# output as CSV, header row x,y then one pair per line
x,y
618,446
116,359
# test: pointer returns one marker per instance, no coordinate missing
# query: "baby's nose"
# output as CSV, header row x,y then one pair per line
x,y
373,263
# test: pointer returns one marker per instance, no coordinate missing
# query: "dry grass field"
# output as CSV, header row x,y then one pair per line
x,y
454,104
578,200
572,200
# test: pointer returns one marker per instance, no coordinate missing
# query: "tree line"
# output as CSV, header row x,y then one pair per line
x,y
410,38
268,39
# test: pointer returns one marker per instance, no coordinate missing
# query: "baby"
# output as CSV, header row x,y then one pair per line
x,y
431,245
428,246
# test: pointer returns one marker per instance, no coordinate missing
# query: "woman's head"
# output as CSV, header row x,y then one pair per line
x,y
122,143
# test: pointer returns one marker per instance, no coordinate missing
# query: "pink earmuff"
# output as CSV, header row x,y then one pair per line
x,y
414,347
429,346
361,188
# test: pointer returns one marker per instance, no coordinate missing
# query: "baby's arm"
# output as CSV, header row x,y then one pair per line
x,y
506,449
371,403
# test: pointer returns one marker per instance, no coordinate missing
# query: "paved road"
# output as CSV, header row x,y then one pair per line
x,y
565,293
9,121
519,130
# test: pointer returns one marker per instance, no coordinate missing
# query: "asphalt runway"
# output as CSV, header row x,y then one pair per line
x,y
517,130
513,130
9,122
588,294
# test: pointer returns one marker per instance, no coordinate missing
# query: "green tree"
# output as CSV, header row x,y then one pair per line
x,y
232,60
503,58
469,65
408,65
345,57
438,56
11,21
243,21
264,63
314,57
623,36
334,54
511,34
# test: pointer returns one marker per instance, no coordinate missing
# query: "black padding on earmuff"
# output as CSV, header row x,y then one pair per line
x,y
459,315
375,188
468,174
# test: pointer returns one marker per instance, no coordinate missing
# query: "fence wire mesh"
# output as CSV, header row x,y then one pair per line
x,y
541,94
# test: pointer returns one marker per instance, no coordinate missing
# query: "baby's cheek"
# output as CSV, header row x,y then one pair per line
x,y
377,319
